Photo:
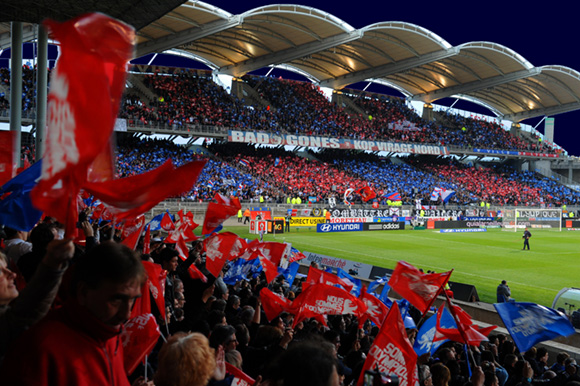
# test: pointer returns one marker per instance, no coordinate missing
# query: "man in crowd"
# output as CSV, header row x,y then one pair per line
x,y
503,292
80,343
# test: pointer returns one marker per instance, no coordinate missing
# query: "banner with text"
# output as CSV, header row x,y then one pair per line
x,y
333,143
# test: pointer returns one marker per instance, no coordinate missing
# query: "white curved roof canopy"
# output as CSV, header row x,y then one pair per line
x,y
414,60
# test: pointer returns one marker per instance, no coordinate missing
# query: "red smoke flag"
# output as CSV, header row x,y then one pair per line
x,y
466,332
222,247
419,288
131,196
272,303
167,223
376,310
391,352
193,271
316,276
139,337
322,299
83,103
219,212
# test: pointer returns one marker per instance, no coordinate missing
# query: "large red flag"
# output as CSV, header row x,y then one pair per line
x,y
222,247
316,275
139,338
323,299
155,285
391,352
220,211
131,196
83,103
272,303
419,288
376,310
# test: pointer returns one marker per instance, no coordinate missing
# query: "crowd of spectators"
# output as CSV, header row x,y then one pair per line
x,y
28,88
210,326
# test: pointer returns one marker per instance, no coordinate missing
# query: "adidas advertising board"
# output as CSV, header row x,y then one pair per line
x,y
386,226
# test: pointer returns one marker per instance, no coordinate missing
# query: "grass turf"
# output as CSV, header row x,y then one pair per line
x,y
481,259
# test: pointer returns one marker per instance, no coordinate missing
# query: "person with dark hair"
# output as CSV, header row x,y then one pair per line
x,y
19,311
317,366
526,238
223,335
105,283
503,292
40,236
16,244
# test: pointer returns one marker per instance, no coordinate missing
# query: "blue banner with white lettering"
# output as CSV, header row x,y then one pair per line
x,y
530,323
341,227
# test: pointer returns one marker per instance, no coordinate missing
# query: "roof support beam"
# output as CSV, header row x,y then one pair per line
x,y
28,34
475,86
541,112
387,69
289,54
186,36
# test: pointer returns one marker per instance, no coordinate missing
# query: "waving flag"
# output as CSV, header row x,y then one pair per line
x,y
530,323
383,296
139,337
290,272
316,276
366,193
83,102
133,232
465,331
419,288
435,194
295,255
245,162
147,241
446,195
185,231
392,352
155,223
193,271
219,211
424,342
376,310
220,248
16,209
155,285
239,377
322,299
356,283
239,269
395,196
167,223
272,303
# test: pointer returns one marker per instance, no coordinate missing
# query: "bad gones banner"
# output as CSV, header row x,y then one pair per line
x,y
333,143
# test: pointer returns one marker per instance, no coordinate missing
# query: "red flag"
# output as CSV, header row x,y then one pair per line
x,y
185,231
366,193
7,167
139,337
219,212
466,332
240,378
155,285
316,275
167,223
376,310
194,272
133,238
83,102
189,219
420,289
391,352
222,247
131,225
270,269
132,196
147,241
272,303
323,299
271,250
296,256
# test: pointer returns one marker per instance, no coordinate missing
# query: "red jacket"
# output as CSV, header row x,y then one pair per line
x,y
68,347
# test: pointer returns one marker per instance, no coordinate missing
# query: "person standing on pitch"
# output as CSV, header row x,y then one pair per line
x,y
526,238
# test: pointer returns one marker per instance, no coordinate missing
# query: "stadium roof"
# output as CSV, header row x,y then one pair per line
x,y
412,59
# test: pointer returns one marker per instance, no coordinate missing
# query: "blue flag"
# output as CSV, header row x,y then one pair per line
x,y
530,323
290,272
155,223
240,269
355,282
424,341
16,209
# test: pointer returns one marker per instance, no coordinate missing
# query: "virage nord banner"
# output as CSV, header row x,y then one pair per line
x,y
333,143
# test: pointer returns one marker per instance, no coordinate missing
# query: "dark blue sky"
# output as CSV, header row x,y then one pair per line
x,y
544,33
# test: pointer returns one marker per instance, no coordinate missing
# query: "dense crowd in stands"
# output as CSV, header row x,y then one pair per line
x,y
209,326
28,88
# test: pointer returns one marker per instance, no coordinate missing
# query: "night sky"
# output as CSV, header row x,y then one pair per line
x,y
544,35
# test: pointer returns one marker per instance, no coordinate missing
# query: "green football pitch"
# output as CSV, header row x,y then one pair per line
x,y
482,259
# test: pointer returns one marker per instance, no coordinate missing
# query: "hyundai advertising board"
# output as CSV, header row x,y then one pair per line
x,y
344,227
